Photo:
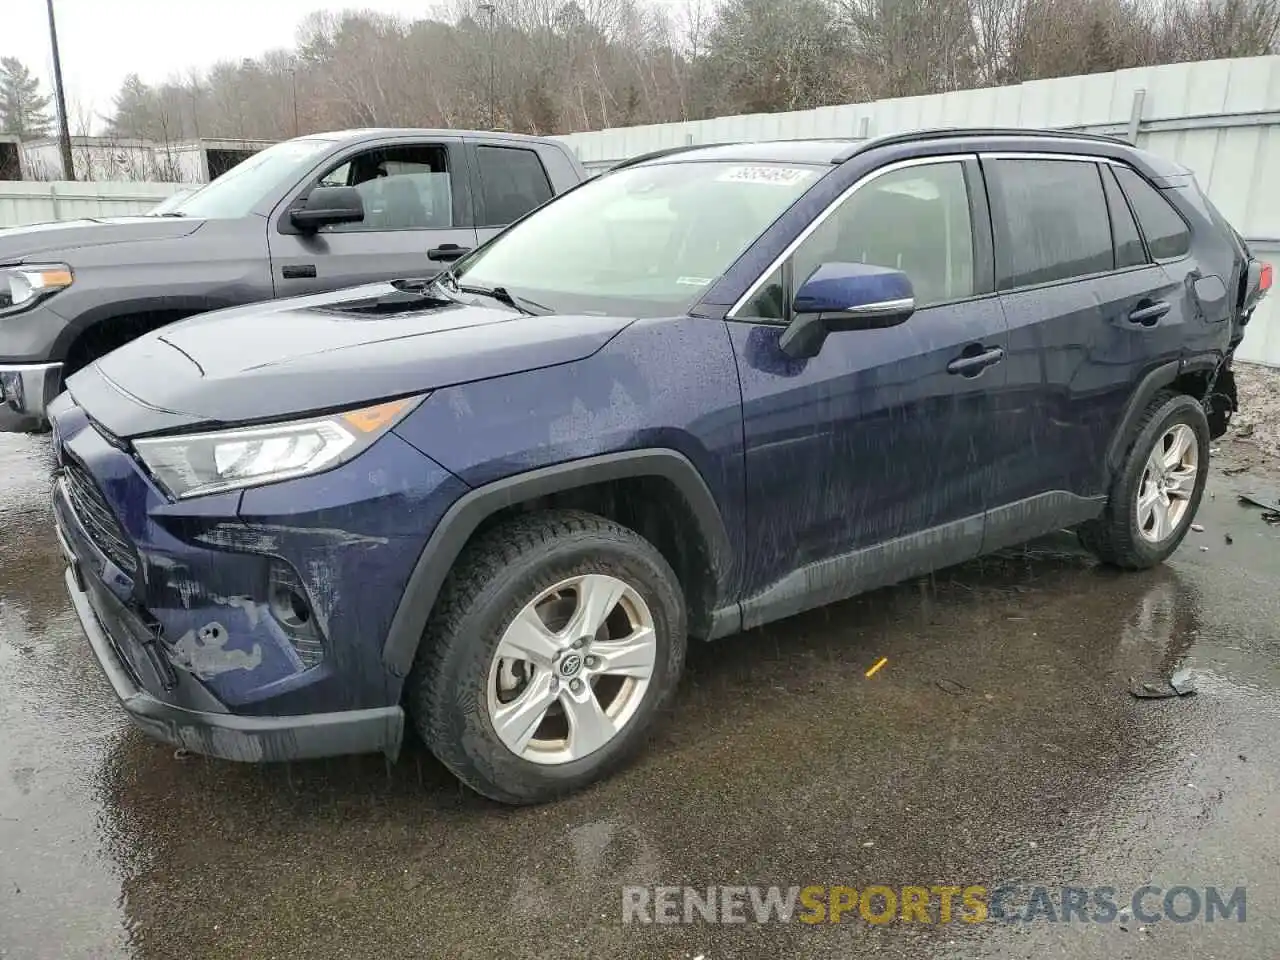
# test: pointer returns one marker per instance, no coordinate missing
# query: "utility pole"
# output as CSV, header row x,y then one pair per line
x,y
492,11
64,131
293,75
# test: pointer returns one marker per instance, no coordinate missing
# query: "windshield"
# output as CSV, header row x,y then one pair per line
x,y
169,203
238,191
644,241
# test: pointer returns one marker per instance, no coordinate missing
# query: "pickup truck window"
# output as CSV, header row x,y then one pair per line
x,y
512,183
240,189
404,188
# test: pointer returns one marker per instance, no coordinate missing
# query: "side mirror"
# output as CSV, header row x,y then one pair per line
x,y
325,205
845,296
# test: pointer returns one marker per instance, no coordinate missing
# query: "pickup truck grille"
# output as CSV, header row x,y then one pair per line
x,y
98,519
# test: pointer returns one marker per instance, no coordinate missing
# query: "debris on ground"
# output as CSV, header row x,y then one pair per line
x,y
1265,501
1198,527
1269,502
1227,537
1257,422
1181,684
950,686
878,664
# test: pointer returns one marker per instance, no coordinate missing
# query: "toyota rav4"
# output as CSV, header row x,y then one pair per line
x,y
705,390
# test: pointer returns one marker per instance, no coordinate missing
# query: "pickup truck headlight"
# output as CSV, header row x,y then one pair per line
x,y
24,285
196,464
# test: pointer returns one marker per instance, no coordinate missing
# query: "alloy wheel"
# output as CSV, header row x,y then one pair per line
x,y
1168,482
571,669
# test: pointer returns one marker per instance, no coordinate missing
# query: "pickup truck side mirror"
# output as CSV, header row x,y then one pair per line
x,y
326,205
845,296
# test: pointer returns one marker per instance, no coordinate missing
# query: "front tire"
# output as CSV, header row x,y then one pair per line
x,y
556,641
1158,488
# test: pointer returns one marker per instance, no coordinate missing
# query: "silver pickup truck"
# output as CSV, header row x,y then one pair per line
x,y
304,216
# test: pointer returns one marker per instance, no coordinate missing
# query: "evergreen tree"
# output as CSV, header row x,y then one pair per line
x,y
135,110
23,109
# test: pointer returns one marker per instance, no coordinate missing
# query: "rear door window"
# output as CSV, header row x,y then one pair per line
x,y
1050,220
512,182
1166,232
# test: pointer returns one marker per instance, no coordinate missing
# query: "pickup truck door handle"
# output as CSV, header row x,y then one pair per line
x,y
446,252
1150,312
970,365
298,271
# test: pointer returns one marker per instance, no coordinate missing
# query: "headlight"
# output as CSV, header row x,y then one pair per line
x,y
195,464
23,285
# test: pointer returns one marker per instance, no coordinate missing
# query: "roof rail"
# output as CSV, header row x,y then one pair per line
x,y
657,154
941,133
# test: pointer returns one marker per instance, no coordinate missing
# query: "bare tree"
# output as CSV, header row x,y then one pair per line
x,y
1206,29
564,65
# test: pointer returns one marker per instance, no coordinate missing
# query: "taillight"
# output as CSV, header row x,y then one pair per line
x,y
1264,279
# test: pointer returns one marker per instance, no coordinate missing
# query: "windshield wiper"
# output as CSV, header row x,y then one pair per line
x,y
424,289
503,295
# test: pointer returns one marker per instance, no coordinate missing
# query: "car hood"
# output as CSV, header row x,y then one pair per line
x,y
42,239
286,358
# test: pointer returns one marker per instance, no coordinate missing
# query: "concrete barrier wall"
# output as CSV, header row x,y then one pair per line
x,y
41,202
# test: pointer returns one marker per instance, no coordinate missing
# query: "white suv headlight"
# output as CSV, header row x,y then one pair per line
x,y
195,464
21,286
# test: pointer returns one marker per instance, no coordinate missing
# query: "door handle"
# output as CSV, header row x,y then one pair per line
x,y
298,271
1148,314
446,252
970,365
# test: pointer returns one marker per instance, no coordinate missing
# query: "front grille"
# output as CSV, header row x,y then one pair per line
x,y
55,448
98,519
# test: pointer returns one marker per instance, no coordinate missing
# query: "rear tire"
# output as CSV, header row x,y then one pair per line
x,y
511,640
1158,488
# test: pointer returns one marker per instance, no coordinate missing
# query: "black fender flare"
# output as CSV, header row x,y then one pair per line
x,y
1155,381
474,507
180,307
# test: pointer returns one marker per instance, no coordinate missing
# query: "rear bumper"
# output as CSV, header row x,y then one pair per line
x,y
26,390
208,728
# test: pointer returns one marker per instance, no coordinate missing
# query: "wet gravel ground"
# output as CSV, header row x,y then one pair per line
x,y
998,743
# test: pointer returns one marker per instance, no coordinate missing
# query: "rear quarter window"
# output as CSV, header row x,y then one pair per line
x,y
1129,250
1167,234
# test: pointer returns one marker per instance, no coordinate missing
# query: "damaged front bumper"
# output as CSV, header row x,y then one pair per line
x,y
191,717
247,624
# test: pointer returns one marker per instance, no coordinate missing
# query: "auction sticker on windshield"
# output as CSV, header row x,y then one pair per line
x,y
779,176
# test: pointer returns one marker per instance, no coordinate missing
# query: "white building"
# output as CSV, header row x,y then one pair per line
x,y
118,159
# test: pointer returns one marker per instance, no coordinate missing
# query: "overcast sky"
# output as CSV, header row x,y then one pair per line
x,y
103,40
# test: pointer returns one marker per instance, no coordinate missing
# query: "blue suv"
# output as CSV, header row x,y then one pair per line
x,y
711,388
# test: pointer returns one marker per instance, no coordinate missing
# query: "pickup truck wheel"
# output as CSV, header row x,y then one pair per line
x,y
554,644
1158,489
